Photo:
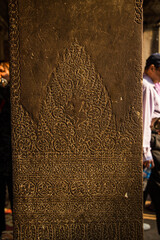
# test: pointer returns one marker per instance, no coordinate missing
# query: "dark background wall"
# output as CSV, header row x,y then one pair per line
x,y
4,46
151,32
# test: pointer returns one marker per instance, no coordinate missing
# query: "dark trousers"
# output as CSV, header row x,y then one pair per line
x,y
154,192
5,181
153,186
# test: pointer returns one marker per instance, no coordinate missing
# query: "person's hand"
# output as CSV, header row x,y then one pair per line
x,y
149,163
4,72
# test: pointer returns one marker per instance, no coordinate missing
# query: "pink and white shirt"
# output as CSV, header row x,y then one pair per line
x,y
151,109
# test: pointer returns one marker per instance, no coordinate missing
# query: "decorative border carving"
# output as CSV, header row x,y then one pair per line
x,y
80,231
138,11
15,78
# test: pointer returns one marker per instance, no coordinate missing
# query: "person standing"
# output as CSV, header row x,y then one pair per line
x,y
151,110
5,143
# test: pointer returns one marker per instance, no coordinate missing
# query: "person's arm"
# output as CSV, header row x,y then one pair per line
x,y
148,108
4,76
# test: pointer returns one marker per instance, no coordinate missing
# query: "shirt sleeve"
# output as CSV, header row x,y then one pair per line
x,y
148,109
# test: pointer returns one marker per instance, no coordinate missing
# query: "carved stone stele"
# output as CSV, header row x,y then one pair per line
x,y
76,119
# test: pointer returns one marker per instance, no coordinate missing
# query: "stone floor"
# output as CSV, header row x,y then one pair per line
x,y
150,218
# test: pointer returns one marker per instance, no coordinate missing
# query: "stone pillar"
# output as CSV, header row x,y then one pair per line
x,y
76,119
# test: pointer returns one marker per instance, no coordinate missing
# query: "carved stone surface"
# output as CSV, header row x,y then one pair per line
x,y
76,164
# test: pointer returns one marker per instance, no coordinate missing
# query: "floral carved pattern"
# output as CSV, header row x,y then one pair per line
x,y
77,104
